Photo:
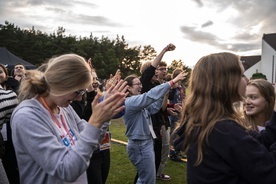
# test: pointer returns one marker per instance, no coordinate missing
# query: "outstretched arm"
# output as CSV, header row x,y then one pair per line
x,y
157,60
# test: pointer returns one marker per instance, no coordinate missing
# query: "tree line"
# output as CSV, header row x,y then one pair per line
x,y
107,55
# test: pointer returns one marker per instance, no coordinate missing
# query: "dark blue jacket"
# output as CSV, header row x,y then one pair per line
x,y
234,155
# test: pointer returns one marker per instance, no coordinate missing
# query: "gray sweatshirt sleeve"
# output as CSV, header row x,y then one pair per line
x,y
40,152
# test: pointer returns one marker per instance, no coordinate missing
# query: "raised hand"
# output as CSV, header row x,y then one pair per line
x,y
105,110
113,80
180,76
121,87
170,47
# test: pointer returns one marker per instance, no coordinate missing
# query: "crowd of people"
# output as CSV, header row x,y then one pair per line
x,y
54,122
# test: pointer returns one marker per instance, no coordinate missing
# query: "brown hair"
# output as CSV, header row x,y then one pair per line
x,y
213,86
176,72
7,75
129,80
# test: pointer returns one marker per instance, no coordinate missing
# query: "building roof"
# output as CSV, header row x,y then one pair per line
x,y
249,61
270,39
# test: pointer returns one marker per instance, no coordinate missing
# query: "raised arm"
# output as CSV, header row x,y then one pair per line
x,y
157,60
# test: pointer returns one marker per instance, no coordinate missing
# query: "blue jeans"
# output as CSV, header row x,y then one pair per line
x,y
141,155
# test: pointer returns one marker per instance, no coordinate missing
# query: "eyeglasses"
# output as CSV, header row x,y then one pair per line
x,y
139,84
79,93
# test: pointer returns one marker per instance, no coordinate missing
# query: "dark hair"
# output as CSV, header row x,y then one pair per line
x,y
7,75
129,80
4,69
162,63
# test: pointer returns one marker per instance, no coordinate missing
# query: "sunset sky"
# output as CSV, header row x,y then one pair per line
x,y
196,27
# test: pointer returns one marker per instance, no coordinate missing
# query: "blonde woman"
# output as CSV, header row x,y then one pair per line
x,y
52,144
259,103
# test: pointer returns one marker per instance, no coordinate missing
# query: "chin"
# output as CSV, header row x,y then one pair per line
x,y
250,113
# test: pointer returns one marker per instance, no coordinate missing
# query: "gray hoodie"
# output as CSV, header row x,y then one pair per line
x,y
41,154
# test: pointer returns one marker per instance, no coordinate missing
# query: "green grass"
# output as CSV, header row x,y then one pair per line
x,y
121,169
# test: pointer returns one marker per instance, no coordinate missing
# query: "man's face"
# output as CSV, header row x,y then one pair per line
x,y
19,70
161,72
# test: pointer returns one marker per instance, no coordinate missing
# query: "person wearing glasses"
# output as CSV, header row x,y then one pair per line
x,y
139,126
52,144
149,79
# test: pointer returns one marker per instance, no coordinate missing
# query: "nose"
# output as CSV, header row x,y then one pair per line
x,y
247,100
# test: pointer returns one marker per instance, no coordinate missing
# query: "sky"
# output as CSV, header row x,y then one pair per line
x,y
196,27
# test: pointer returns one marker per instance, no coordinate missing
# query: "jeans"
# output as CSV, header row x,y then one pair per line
x,y
141,155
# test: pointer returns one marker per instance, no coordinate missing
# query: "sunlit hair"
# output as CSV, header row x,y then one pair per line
x,y
64,74
267,92
129,80
144,66
42,67
213,86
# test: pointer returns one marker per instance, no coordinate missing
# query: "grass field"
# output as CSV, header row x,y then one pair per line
x,y
123,172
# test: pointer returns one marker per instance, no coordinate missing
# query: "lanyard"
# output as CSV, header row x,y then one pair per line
x,y
57,122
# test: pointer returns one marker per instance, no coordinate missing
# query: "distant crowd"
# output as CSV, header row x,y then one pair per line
x,y
55,119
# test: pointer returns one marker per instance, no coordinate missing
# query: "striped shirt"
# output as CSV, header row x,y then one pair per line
x,y
8,101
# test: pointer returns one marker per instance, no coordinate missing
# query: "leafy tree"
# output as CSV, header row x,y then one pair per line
x,y
179,64
107,55
148,53
258,76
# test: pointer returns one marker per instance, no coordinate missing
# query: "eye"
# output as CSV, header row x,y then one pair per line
x,y
253,97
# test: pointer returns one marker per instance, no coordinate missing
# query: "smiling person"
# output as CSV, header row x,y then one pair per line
x,y
259,103
219,147
139,128
52,144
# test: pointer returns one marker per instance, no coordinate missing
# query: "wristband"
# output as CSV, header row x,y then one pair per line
x,y
171,83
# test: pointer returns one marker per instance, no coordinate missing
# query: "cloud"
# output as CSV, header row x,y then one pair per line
x,y
199,36
250,18
250,13
242,42
199,3
208,23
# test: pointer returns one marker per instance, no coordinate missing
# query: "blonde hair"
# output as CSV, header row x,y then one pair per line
x,y
267,91
144,66
64,74
213,86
